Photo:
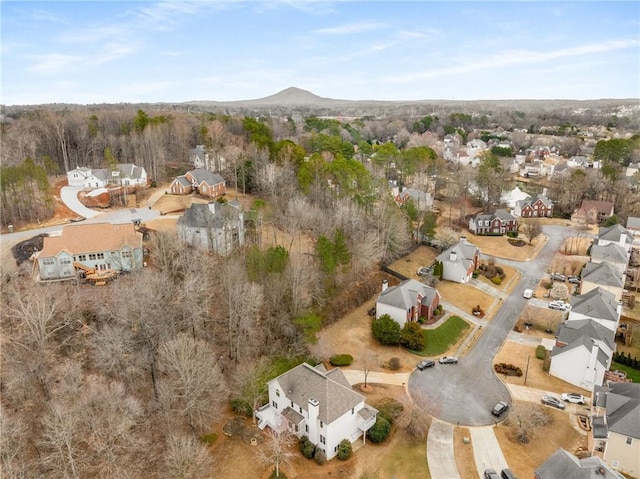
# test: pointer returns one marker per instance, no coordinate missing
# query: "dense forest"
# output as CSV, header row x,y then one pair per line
x,y
125,380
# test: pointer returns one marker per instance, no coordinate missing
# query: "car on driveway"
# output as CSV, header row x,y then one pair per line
x,y
426,363
500,408
424,271
558,277
491,474
574,398
574,279
552,401
448,360
559,305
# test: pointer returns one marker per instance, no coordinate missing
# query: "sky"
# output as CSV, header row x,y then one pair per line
x,y
90,52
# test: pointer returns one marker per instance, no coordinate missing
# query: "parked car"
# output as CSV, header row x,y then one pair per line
x,y
448,360
507,474
490,474
558,277
559,305
552,401
499,409
424,271
426,363
574,398
574,279
372,311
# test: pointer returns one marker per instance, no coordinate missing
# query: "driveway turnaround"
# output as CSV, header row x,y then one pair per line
x,y
465,393
486,449
440,455
69,196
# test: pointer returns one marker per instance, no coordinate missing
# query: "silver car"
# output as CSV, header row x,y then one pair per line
x,y
552,401
448,360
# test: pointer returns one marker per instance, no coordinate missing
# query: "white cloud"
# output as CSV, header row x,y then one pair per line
x,y
350,28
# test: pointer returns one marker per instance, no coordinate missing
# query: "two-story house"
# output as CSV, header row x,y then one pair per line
x,y
199,181
615,421
496,223
459,261
564,465
593,212
538,206
122,174
408,301
319,404
603,276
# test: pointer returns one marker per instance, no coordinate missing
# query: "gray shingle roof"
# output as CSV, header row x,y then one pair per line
x,y
581,342
305,382
622,403
210,215
201,175
130,170
503,214
597,303
404,294
611,252
465,252
603,273
564,465
613,233
574,329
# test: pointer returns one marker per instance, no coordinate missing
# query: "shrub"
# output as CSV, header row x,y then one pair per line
x,y
209,439
242,407
344,450
307,448
508,369
541,352
274,476
411,336
341,360
496,280
438,310
320,457
386,330
389,409
395,364
379,431
475,274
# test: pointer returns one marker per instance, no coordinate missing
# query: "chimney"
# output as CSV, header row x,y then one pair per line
x,y
312,420
453,256
623,239
385,285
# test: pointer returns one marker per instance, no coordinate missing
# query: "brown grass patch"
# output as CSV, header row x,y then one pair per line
x,y
541,319
465,296
499,247
408,265
465,460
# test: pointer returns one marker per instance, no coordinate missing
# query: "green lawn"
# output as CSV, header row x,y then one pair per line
x,y
439,340
632,374
406,459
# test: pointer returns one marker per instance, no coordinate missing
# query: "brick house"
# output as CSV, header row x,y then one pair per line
x,y
199,181
538,206
497,223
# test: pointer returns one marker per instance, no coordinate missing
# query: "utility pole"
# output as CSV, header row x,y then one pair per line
x,y
526,371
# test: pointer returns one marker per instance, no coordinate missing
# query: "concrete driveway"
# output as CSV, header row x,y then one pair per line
x,y
69,196
465,393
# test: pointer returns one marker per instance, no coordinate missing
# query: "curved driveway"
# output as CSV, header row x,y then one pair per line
x,y
69,196
464,393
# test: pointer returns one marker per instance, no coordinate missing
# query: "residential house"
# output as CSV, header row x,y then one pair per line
x,y
597,304
538,206
423,200
319,404
578,161
612,253
459,261
604,276
615,421
564,465
122,174
199,181
408,301
616,234
199,157
582,353
633,225
216,227
497,223
100,246
510,198
593,212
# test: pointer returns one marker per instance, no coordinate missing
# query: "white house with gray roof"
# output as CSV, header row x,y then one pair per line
x,y
564,465
616,234
599,305
459,261
408,301
122,174
582,353
215,227
604,276
319,404
612,253
615,433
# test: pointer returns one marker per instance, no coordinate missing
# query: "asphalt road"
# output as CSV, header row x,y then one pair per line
x,y
465,393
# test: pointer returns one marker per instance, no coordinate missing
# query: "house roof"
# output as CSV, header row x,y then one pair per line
x,y
503,214
101,174
404,294
129,170
613,233
197,152
602,207
574,329
603,273
597,303
201,175
182,180
305,382
585,342
622,404
92,238
633,222
210,215
465,253
562,464
610,252
532,199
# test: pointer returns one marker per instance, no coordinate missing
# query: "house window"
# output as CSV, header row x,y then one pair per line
x,y
321,424
629,441
306,428
291,403
335,449
100,255
92,256
127,254
353,410
274,404
65,261
48,261
322,439
277,393
300,409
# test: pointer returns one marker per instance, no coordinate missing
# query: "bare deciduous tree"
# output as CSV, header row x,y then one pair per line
x,y
531,228
187,458
276,451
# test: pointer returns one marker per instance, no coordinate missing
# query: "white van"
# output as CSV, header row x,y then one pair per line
x,y
528,293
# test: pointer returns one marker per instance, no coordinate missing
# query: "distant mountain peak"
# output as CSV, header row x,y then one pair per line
x,y
291,96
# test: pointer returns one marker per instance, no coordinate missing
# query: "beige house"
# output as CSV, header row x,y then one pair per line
x,y
602,275
615,420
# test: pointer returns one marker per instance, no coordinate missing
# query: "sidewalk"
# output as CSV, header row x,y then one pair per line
x,y
486,449
440,451
355,376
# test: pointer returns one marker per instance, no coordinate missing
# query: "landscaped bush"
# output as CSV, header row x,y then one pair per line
x,y
242,407
496,280
438,310
395,364
389,409
320,457
307,448
512,234
344,450
541,352
386,330
508,369
341,360
475,274
379,431
411,336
